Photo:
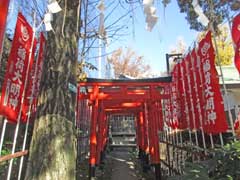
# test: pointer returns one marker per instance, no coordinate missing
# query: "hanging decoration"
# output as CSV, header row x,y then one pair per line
x,y
53,7
202,18
150,12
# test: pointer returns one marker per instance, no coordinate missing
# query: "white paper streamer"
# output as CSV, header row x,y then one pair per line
x,y
201,16
54,7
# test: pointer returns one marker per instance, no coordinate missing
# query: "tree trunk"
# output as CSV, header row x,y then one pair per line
x,y
53,147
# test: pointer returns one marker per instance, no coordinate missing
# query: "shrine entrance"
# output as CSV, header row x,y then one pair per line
x,y
122,113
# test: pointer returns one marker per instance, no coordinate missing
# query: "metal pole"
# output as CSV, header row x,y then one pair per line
x,y
198,101
201,117
211,139
221,139
191,101
229,24
167,62
24,145
181,139
22,100
99,58
101,35
30,108
176,131
186,109
3,134
14,145
220,68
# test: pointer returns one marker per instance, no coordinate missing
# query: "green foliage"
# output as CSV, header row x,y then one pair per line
x,y
227,162
225,48
193,171
5,151
224,165
81,74
217,13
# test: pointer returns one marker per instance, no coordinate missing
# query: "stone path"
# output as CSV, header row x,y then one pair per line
x,y
123,166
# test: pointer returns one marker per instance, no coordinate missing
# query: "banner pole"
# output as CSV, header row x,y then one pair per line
x,y
186,109
24,144
22,100
221,139
31,99
176,132
211,140
221,72
198,99
3,134
191,101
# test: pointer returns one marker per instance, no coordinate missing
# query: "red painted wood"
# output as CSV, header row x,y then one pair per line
x,y
93,133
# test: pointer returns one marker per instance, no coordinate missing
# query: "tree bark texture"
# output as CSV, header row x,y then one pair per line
x,y
53,147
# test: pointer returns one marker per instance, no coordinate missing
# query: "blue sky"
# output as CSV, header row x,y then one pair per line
x,y
154,45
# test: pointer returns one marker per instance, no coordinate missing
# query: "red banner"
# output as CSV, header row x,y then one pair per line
x,y
168,106
236,40
17,67
3,17
215,120
237,56
182,121
188,93
193,86
236,29
175,102
198,86
34,81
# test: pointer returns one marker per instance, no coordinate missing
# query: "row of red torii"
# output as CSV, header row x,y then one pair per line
x,y
142,98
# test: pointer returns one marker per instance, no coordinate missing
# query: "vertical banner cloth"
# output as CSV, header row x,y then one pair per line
x,y
34,79
215,120
3,17
185,108
182,121
175,102
168,105
236,40
188,93
16,72
198,87
192,82
237,56
191,95
236,29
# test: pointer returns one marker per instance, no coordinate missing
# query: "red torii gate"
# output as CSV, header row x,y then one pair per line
x,y
141,97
